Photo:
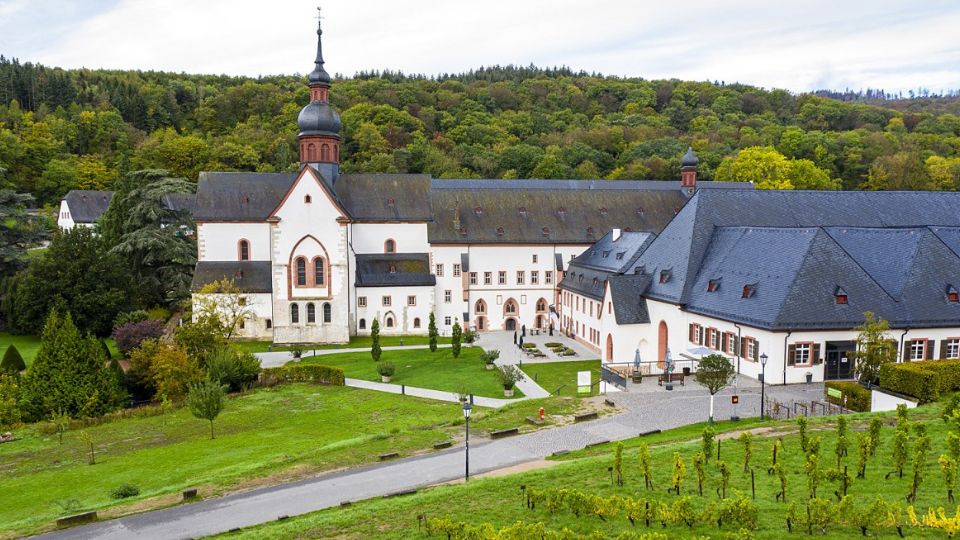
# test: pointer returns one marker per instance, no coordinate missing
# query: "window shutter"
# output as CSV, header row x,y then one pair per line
x,y
693,328
792,355
906,351
943,348
743,345
700,337
816,354
928,349
723,342
736,347
756,350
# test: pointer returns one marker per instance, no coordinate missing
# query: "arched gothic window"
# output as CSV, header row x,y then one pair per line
x,y
416,322
325,152
327,313
244,250
319,274
311,313
389,322
363,324
301,272
390,246
311,152
294,314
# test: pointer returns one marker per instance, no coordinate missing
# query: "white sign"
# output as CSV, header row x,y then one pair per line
x,y
583,378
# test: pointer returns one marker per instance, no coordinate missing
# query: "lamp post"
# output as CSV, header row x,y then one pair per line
x,y
763,381
466,416
668,368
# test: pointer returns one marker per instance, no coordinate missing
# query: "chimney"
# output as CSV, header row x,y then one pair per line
x,y
616,234
456,215
688,170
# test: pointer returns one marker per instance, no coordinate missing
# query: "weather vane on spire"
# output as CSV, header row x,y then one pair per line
x,y
319,16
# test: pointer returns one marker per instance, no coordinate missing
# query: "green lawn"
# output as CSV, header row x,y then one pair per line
x,y
498,500
356,342
563,375
419,367
282,432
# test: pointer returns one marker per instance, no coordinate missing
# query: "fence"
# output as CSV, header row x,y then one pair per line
x,y
785,410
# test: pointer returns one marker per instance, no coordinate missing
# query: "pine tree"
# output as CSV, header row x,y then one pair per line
x,y
455,339
12,361
69,374
375,350
432,329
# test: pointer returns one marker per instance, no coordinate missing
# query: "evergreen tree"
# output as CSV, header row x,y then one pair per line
x,y
12,361
432,329
18,229
455,339
69,374
375,350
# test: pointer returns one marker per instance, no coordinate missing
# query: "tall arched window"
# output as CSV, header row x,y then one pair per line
x,y
510,307
327,314
416,322
325,152
319,274
389,322
390,246
294,314
301,272
311,152
311,313
480,307
244,250
363,324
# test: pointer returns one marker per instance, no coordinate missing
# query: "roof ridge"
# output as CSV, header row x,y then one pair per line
x,y
913,255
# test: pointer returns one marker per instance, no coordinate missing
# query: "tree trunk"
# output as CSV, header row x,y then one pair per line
x,y
211,430
711,408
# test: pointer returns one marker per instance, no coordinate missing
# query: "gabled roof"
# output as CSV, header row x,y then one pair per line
x,y
889,270
86,206
248,276
387,197
240,196
394,269
588,272
626,293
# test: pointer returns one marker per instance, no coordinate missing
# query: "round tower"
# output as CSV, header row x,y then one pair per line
x,y
688,169
319,123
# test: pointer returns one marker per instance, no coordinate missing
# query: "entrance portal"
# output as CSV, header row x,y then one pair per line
x,y
662,344
839,363
511,324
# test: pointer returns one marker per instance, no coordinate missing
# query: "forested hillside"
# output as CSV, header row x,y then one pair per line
x,y
64,129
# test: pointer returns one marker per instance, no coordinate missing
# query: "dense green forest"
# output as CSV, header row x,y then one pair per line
x,y
65,129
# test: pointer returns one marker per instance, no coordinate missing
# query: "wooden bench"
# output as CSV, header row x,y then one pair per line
x,y
673,377
586,416
504,433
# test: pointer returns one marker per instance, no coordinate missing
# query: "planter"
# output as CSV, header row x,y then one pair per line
x,y
508,392
385,378
490,366
686,372
809,377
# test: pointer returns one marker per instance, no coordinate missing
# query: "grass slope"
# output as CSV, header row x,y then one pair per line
x,y
498,500
563,375
356,342
419,367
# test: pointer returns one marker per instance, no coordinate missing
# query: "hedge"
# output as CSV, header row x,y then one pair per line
x,y
925,380
857,397
302,373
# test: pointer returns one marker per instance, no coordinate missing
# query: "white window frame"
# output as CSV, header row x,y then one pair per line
x,y
411,300
521,277
548,277
502,277
439,270
803,354
447,296
488,278
952,349
361,301
456,270
473,278
914,343
534,277
386,301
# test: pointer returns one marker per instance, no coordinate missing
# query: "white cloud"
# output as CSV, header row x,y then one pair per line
x,y
857,44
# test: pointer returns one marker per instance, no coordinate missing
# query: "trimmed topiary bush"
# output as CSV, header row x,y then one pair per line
x,y
926,380
12,361
857,397
302,373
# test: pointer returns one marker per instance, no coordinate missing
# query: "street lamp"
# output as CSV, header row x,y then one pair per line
x,y
763,381
668,368
466,416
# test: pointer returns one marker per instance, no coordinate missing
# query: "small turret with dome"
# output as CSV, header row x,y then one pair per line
x,y
319,123
688,169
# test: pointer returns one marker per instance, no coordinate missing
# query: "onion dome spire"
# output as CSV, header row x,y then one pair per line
x,y
689,159
319,75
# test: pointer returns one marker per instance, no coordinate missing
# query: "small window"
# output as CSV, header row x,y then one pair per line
x,y
243,324
589,232
665,275
456,270
521,277
389,246
478,211
603,211
307,199
952,348
522,211
319,272
416,322
389,322
386,301
548,277
447,296
473,278
713,285
534,277
620,255
311,313
363,324
269,323
392,269
244,250
390,202
749,290
500,231
301,272
361,301
446,321
640,211
439,270
488,278
502,277
535,258
481,307
606,254
952,295
918,349
411,300
294,313
840,295
463,230
545,231
327,312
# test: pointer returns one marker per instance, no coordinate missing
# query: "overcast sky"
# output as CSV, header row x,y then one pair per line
x,y
811,44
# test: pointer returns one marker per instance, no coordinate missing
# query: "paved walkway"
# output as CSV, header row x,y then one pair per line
x,y
639,412
428,393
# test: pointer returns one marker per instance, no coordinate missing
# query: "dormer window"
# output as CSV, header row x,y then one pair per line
x,y
952,295
307,199
640,211
245,199
665,275
603,211
589,232
500,231
522,211
606,254
840,295
561,211
580,280
748,290
390,202
713,285
628,229
640,270
463,230
545,231
596,282
620,255
478,211
392,269
676,210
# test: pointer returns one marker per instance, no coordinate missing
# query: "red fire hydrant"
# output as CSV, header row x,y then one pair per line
x,y
541,414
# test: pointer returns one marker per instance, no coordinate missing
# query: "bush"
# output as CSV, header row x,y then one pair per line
x,y
130,317
509,375
529,345
489,357
302,373
857,397
386,369
552,344
925,381
236,370
12,361
124,491
130,335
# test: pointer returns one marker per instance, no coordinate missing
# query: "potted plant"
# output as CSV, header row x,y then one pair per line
x,y
809,377
509,375
489,358
470,336
386,370
296,350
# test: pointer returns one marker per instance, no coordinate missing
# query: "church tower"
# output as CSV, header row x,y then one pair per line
x,y
319,124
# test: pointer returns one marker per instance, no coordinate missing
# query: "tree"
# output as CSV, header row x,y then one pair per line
x,y
78,274
69,374
225,301
455,338
769,169
432,330
206,400
19,230
375,350
129,336
174,371
874,348
714,373
9,391
12,363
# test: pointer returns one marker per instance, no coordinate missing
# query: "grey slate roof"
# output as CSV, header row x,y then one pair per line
x,y
626,293
588,272
249,276
393,197
181,202
411,269
239,196
86,206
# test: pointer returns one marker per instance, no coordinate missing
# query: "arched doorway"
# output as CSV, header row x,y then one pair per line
x,y
481,323
511,324
539,322
609,348
661,343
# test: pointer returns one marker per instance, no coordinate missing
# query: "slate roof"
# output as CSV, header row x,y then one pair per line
x,y
626,293
394,197
588,272
239,196
86,206
249,276
411,269
181,202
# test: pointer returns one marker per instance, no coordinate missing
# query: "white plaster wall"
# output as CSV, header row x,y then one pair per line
x,y
403,314
220,241
260,306
409,237
882,401
65,218
589,315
